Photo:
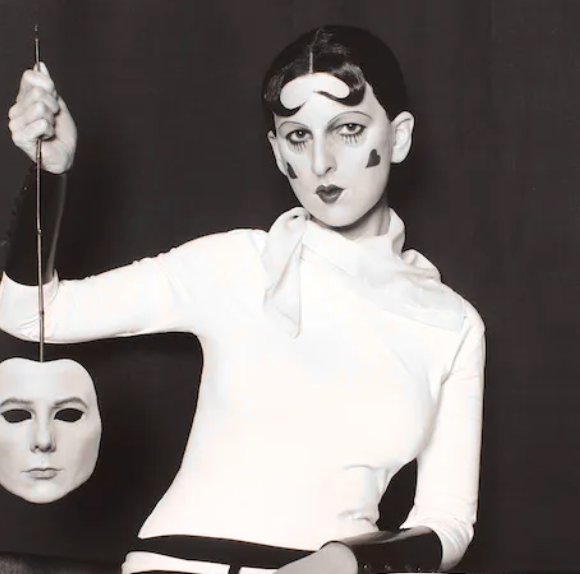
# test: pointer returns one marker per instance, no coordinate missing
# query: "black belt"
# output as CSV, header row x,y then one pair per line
x,y
234,553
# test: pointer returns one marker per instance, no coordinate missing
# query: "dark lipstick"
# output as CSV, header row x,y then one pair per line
x,y
329,193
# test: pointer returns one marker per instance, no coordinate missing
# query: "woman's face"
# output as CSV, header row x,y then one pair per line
x,y
50,428
337,158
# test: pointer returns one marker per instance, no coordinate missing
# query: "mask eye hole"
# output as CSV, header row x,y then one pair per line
x,y
69,415
14,416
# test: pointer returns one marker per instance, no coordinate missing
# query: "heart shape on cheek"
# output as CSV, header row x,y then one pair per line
x,y
291,172
374,159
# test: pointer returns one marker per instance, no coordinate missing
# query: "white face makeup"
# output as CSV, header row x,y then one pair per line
x,y
337,158
50,428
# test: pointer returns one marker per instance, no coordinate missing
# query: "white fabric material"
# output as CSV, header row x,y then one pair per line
x,y
297,437
405,283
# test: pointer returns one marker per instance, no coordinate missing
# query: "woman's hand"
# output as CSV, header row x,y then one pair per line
x,y
41,114
332,559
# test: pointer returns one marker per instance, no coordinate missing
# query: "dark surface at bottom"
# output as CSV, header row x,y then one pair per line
x,y
32,564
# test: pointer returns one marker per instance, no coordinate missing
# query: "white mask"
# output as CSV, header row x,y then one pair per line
x,y
50,428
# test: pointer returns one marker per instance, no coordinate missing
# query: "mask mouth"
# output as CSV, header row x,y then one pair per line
x,y
42,473
329,193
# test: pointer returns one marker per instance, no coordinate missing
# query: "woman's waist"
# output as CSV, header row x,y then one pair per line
x,y
274,513
207,555
277,525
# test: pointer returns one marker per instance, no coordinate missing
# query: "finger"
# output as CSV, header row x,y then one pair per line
x,y
14,111
62,105
43,69
34,97
32,114
31,79
39,95
28,136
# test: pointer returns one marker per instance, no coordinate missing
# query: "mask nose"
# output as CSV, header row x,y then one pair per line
x,y
323,160
43,439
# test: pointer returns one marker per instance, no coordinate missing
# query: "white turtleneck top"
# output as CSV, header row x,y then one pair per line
x,y
328,365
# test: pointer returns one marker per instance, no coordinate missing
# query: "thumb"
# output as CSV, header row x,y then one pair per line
x,y
41,67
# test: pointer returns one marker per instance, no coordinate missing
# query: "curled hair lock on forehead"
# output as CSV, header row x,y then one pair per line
x,y
350,54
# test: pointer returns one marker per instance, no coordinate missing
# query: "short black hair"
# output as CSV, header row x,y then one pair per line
x,y
351,54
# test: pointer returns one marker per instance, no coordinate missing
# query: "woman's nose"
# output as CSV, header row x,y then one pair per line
x,y
323,160
43,439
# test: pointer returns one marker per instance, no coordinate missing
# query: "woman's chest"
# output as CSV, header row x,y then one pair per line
x,y
356,376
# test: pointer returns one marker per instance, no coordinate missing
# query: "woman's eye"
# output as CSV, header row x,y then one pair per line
x,y
298,137
351,130
69,415
16,415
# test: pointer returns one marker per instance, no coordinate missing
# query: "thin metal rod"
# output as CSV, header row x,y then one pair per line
x,y
39,255
36,47
38,217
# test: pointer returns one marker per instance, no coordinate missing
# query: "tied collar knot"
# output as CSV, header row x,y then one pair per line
x,y
401,282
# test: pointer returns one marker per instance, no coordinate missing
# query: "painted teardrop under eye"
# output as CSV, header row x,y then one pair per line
x,y
14,416
69,415
291,172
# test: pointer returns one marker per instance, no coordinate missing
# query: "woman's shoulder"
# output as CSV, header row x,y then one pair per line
x,y
228,252
225,242
472,316
471,320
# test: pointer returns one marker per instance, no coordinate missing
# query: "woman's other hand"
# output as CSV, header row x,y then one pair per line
x,y
332,559
40,113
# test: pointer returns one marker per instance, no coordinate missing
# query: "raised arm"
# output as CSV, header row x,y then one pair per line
x,y
158,294
39,114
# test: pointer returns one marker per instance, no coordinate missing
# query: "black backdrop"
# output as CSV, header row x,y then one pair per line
x,y
172,146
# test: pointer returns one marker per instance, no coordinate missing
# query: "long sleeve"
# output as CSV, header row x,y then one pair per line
x,y
170,292
448,468
21,261
448,474
177,291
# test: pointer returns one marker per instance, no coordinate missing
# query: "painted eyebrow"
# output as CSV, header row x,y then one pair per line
x,y
59,404
15,401
70,400
332,122
292,123
343,115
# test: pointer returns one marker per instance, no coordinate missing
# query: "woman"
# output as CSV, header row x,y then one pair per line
x,y
331,357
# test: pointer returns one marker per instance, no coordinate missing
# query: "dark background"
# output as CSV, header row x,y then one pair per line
x,y
172,146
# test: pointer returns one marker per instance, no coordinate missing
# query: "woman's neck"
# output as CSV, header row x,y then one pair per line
x,y
375,222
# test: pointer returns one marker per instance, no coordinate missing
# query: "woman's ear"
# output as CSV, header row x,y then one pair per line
x,y
277,154
402,134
